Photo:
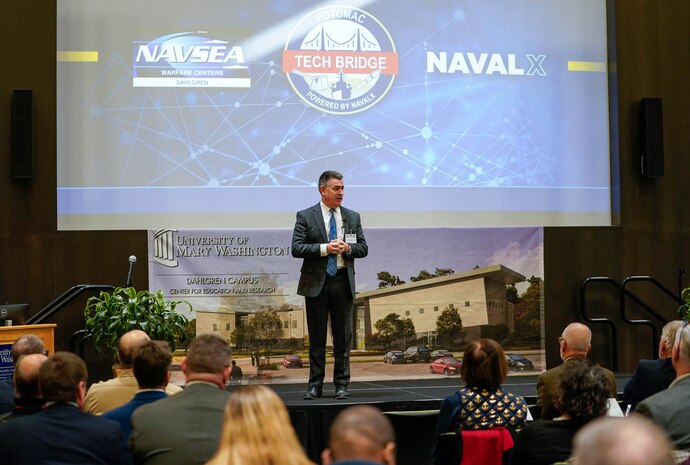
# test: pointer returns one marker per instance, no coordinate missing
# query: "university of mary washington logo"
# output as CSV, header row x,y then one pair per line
x,y
164,247
340,60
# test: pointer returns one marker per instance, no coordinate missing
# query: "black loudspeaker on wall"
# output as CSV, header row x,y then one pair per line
x,y
651,138
22,134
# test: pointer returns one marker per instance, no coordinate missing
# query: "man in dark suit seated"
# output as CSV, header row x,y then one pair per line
x,y
61,432
185,428
151,367
28,399
24,345
652,376
360,435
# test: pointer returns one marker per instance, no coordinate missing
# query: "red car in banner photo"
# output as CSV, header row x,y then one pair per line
x,y
446,365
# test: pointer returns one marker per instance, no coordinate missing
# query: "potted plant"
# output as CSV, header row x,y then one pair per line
x,y
109,315
684,310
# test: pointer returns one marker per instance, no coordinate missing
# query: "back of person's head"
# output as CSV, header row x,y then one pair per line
x,y
126,345
668,336
26,383
257,431
484,364
578,340
151,364
60,377
634,440
25,345
361,432
582,390
208,353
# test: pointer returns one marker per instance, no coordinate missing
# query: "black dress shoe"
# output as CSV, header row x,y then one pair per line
x,y
341,393
313,392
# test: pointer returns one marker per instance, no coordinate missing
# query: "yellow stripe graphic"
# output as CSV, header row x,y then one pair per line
x,y
78,56
591,66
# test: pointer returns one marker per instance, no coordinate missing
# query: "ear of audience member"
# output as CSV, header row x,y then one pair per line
x,y
186,428
257,431
621,441
24,345
360,434
61,433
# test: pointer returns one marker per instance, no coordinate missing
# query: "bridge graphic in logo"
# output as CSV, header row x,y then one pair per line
x,y
164,248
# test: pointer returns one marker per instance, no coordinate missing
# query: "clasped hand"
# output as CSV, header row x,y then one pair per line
x,y
337,246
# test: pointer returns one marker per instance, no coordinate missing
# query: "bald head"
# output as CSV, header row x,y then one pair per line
x,y
128,342
361,432
576,341
634,440
26,376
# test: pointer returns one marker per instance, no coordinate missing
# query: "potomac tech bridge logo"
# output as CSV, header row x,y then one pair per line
x,y
340,60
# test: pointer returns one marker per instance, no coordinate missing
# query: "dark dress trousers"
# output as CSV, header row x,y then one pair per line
x,y
325,295
62,434
649,377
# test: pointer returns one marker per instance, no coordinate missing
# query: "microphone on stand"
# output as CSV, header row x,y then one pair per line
x,y
130,271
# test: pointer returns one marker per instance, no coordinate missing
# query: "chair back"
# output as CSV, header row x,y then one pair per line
x,y
485,447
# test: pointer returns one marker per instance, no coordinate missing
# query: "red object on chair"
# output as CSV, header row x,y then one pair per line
x,y
485,447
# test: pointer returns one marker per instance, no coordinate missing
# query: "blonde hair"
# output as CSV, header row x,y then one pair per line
x,y
257,431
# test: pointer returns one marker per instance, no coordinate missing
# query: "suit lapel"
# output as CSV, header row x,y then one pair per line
x,y
318,219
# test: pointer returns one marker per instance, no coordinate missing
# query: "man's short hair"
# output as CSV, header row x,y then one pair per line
x,y
25,345
669,331
151,363
208,353
327,176
583,390
60,376
126,345
484,364
360,431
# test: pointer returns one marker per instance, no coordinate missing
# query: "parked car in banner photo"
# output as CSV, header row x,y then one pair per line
x,y
440,353
518,362
394,356
445,365
416,354
292,361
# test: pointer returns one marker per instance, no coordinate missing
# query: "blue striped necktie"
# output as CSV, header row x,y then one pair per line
x,y
332,264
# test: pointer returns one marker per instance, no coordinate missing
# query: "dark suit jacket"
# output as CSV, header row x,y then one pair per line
x,y
546,389
668,410
123,414
650,377
61,433
307,237
6,395
181,429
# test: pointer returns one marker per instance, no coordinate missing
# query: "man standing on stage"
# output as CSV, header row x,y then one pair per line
x,y
329,238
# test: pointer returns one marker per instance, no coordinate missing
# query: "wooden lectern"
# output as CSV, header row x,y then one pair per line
x,y
9,334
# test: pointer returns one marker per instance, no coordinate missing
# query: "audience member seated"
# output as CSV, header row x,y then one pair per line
x,y
652,376
61,432
583,391
27,399
360,435
107,395
24,345
575,342
482,403
257,431
669,408
185,428
621,441
151,366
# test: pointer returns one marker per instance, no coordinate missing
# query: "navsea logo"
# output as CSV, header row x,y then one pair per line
x,y
340,60
164,247
187,59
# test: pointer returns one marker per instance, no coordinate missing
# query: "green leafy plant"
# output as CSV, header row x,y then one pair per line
x,y
109,315
684,310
